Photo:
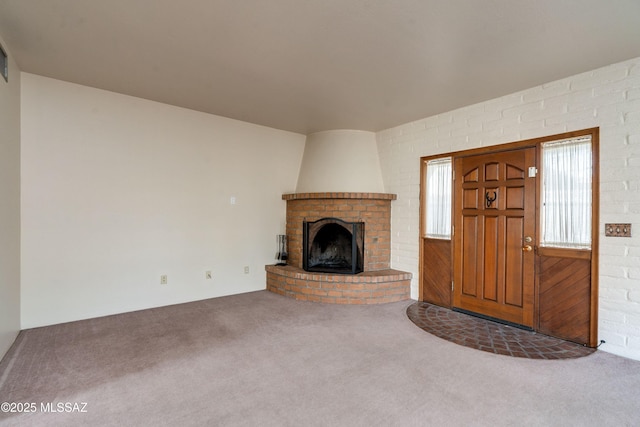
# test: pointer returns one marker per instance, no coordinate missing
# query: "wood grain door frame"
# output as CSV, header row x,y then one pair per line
x,y
443,281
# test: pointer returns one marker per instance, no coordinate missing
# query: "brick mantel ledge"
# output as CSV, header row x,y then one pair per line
x,y
371,196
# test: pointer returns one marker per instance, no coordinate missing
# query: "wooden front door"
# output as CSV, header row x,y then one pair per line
x,y
494,235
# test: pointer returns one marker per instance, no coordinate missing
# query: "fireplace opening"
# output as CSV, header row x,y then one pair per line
x,y
331,245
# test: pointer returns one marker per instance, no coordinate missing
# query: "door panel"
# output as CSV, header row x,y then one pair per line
x,y
564,297
491,242
494,209
436,274
470,273
514,261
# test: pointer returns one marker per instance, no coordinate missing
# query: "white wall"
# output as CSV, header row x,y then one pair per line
x,y
608,98
117,191
340,161
9,206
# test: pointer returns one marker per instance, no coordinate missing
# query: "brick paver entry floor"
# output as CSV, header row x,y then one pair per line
x,y
490,336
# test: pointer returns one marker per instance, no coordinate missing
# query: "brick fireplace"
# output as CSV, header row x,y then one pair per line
x,y
376,284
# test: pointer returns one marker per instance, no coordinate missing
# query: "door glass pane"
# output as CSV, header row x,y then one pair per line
x,y
438,198
566,193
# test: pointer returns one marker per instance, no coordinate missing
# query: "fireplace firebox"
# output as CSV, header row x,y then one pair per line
x,y
331,245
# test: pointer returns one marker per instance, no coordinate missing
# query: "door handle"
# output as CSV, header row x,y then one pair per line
x,y
527,248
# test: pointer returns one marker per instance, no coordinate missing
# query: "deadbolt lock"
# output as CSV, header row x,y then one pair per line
x,y
528,239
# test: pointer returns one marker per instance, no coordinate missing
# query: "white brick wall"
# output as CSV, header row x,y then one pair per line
x,y
608,98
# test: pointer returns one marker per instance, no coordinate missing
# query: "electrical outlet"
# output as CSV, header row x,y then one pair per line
x,y
246,269
207,275
163,279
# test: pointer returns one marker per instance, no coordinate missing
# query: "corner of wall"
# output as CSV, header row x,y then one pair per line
x,y
10,206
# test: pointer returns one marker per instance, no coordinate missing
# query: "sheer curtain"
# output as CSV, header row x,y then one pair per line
x,y
438,198
566,193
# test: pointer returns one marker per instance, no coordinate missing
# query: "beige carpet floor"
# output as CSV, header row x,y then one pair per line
x,y
259,359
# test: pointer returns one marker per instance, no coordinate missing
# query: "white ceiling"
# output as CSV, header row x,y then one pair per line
x,y
312,65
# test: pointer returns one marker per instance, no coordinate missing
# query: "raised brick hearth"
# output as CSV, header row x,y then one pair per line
x,y
373,287
376,284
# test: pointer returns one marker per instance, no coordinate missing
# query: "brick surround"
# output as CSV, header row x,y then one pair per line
x,y
372,208
378,283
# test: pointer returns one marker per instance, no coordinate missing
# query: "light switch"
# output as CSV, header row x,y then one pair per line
x,y
617,230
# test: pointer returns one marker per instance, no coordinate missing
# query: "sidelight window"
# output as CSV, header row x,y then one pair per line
x,y
438,198
566,193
